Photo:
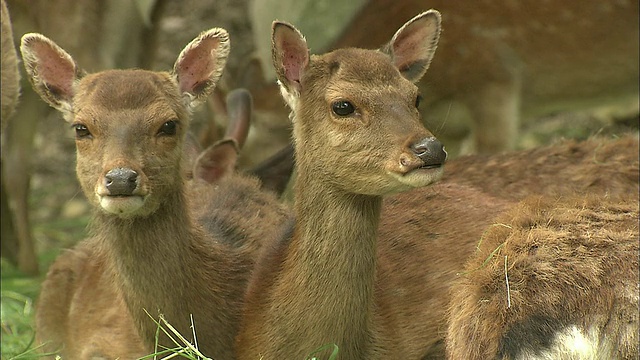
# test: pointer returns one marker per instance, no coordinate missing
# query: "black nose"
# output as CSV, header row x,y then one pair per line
x,y
431,151
121,181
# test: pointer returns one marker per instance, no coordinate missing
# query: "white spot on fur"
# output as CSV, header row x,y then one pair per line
x,y
573,344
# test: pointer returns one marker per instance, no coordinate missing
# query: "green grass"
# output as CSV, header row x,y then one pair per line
x,y
18,293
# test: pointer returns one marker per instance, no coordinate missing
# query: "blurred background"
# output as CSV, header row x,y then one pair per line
x,y
507,75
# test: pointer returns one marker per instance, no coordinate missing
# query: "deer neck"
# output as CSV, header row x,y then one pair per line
x,y
333,259
168,266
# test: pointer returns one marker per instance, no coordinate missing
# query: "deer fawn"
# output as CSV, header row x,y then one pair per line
x,y
358,137
79,283
130,130
327,281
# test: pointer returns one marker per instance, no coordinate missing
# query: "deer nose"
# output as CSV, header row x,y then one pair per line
x,y
431,151
121,181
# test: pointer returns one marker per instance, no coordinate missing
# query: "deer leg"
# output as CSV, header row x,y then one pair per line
x,y
19,152
496,116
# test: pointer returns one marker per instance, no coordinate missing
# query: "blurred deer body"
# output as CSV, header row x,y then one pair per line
x,y
501,65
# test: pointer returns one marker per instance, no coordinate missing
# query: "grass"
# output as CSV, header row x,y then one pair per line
x,y
19,292
17,296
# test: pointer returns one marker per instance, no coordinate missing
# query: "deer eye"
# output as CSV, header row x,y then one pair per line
x,y
343,108
81,131
168,128
418,100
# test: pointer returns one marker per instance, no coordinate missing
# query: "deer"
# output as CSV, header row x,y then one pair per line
x,y
10,73
371,299
551,279
79,282
501,69
317,283
130,128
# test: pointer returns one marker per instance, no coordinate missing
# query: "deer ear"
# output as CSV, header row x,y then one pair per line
x,y
200,64
239,110
414,44
220,158
216,161
52,71
290,55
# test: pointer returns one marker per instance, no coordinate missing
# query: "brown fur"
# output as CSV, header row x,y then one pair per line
x,y
421,250
166,262
316,285
81,313
571,262
598,165
102,35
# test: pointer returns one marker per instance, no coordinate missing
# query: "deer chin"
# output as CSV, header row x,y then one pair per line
x,y
122,206
418,177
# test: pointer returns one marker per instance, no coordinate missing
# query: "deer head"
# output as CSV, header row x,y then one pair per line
x,y
363,105
129,125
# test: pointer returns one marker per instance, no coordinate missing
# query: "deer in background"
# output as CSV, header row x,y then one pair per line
x,y
599,165
357,137
502,66
551,279
130,128
10,73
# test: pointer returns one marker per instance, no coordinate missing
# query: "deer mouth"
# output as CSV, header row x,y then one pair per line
x,y
430,166
417,174
409,166
121,205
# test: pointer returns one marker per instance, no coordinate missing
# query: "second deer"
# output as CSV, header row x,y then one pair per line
x,y
358,137
372,287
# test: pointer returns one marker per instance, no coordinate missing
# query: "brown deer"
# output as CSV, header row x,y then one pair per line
x,y
10,73
130,127
358,137
307,286
79,283
101,35
501,67
551,279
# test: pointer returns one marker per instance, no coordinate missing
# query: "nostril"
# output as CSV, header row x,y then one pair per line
x,y
121,181
431,151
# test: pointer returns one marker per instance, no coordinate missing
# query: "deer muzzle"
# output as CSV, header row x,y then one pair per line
x,y
119,193
431,151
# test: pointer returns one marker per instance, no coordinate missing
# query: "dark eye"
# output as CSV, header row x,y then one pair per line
x,y
81,131
168,128
418,100
343,108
